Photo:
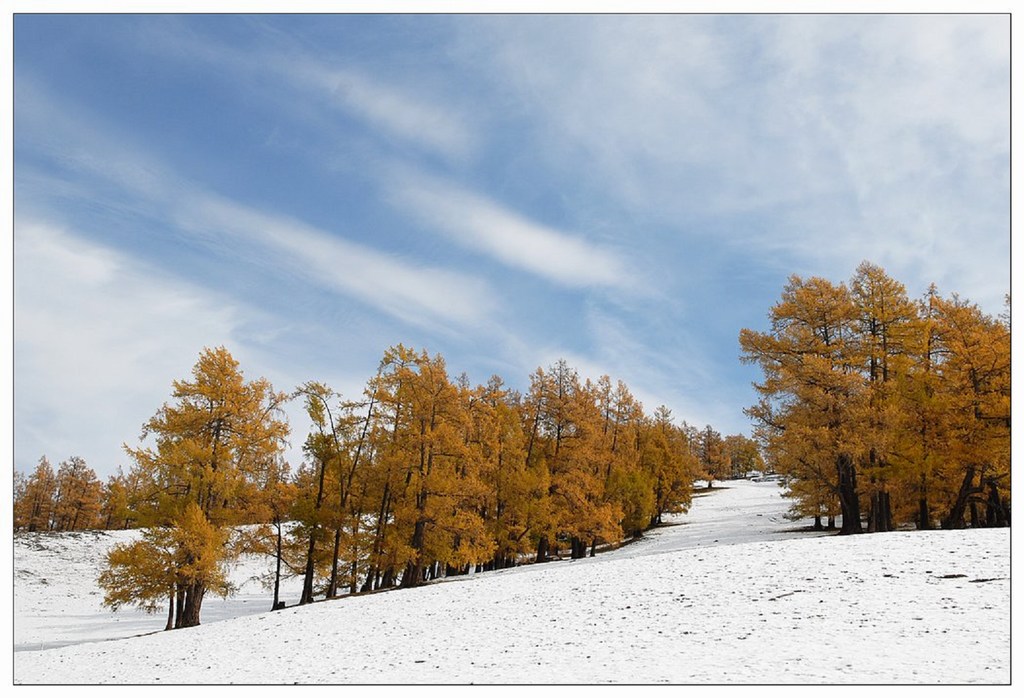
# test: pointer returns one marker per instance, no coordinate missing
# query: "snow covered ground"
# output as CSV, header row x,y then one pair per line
x,y
732,593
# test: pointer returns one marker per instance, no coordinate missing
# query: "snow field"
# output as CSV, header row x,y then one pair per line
x,y
883,608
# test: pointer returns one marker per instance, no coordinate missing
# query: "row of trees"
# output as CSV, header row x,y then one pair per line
x,y
71,499
424,477
74,499
879,407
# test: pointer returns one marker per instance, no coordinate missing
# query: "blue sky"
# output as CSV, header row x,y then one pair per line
x,y
625,192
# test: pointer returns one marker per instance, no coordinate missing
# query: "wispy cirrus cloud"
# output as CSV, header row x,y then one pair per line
x,y
415,118
488,227
94,321
415,294
831,138
106,334
130,179
321,81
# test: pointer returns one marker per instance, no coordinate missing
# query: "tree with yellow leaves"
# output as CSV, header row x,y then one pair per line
x,y
910,402
33,501
887,331
212,448
812,394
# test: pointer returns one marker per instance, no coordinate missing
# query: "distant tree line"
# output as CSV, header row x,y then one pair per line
x,y
882,410
70,499
425,476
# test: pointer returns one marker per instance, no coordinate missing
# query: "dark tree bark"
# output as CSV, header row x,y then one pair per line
x,y
179,607
955,517
996,509
307,580
194,593
414,570
849,501
170,611
307,577
353,583
924,517
542,549
277,569
880,517
332,586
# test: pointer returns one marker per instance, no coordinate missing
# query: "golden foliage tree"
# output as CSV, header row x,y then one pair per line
x,y
812,392
33,502
866,392
213,446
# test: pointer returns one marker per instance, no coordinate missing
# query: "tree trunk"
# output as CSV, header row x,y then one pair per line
x,y
370,576
332,586
170,610
179,607
817,523
955,518
307,579
354,570
880,518
924,517
193,604
414,570
995,512
849,502
542,549
277,571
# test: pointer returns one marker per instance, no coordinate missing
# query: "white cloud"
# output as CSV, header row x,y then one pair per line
x,y
98,338
413,293
490,228
403,110
400,112
833,138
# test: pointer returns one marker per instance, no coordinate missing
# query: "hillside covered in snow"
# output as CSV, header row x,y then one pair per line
x,y
731,592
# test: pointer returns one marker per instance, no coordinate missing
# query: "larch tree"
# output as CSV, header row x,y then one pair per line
x,y
666,455
33,505
714,457
269,514
323,449
211,447
743,455
116,509
77,500
975,379
513,491
887,328
909,401
629,488
812,393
